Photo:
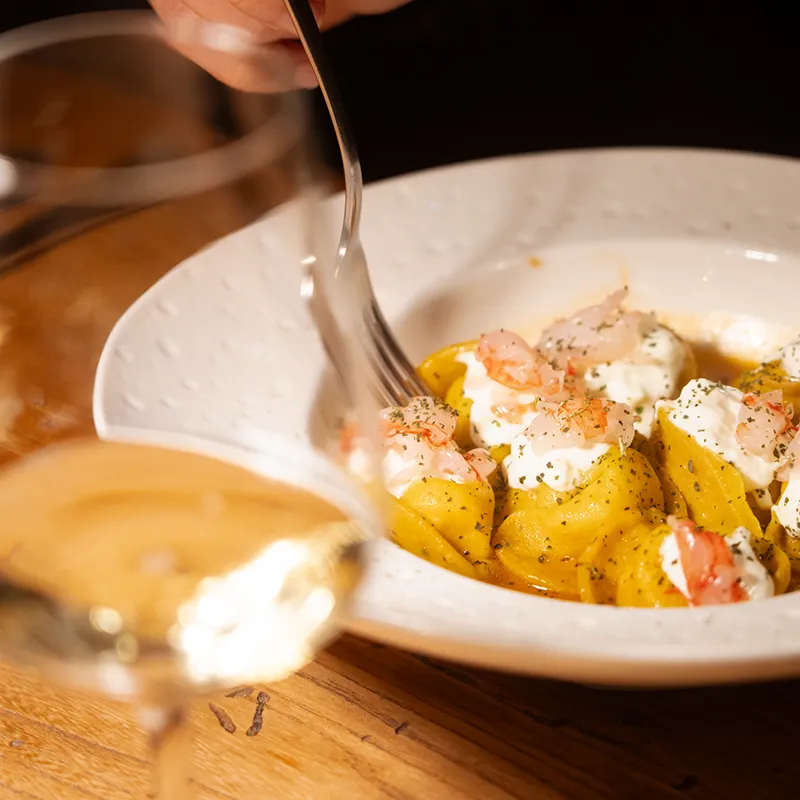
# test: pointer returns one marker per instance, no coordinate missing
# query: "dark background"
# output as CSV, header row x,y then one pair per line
x,y
441,81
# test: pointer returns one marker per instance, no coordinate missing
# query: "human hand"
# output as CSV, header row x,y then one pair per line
x,y
267,21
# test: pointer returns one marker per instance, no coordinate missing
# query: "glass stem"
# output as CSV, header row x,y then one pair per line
x,y
171,745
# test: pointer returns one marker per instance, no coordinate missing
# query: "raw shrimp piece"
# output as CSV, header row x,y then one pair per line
x,y
512,362
514,412
707,561
765,425
580,421
595,335
418,440
426,417
423,460
481,462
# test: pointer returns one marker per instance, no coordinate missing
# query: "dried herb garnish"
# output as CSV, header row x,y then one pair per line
x,y
224,719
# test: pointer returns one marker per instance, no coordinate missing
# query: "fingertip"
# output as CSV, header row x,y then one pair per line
x,y
318,7
285,24
304,77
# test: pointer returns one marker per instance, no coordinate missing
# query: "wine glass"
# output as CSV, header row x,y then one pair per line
x,y
161,564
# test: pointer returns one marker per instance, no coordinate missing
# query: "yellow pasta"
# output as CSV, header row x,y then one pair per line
x,y
461,512
540,542
600,542
712,490
623,567
454,397
441,369
771,553
417,535
714,495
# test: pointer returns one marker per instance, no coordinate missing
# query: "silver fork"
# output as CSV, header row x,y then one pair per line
x,y
395,379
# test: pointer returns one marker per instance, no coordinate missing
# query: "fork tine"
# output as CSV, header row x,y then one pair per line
x,y
404,374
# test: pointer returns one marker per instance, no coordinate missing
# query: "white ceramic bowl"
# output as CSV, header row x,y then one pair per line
x,y
708,235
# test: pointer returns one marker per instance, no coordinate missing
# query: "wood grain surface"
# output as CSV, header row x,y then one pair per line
x,y
364,721
368,722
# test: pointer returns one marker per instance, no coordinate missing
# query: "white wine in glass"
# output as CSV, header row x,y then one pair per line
x,y
154,574
160,565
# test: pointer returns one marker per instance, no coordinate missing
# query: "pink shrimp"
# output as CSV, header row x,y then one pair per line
x,y
595,335
512,362
513,412
421,460
712,577
481,463
578,421
765,425
421,437
425,417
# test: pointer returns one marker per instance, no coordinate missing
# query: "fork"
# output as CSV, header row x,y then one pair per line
x,y
395,380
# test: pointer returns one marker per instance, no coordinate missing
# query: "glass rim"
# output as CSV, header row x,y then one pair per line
x,y
262,452
170,178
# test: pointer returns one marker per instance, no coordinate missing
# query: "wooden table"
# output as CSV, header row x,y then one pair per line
x,y
364,721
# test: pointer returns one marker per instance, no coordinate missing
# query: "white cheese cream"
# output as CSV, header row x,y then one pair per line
x,y
397,461
562,469
490,426
755,580
709,413
650,373
787,509
789,356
